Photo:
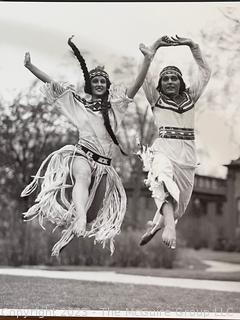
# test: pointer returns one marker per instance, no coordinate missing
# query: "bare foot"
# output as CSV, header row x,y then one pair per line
x,y
169,237
79,226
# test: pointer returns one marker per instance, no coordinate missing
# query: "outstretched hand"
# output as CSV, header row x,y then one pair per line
x,y
164,41
146,51
180,41
27,59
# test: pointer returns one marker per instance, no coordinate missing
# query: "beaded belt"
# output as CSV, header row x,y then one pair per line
x,y
96,157
176,133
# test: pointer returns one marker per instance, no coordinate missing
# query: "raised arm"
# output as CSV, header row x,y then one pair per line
x,y
148,53
200,82
148,56
37,72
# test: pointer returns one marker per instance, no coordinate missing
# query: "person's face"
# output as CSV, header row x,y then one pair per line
x,y
170,84
99,86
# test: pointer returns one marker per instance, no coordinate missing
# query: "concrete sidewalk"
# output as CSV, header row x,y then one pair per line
x,y
113,277
219,266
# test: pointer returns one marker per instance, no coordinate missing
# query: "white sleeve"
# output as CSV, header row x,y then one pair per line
x,y
201,80
119,103
149,88
62,95
53,90
118,98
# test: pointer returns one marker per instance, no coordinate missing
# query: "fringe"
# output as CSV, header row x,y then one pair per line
x,y
54,183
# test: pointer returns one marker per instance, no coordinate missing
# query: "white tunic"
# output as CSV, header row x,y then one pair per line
x,y
52,202
173,161
86,117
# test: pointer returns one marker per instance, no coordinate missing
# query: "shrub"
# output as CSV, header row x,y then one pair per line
x,y
154,254
83,252
227,245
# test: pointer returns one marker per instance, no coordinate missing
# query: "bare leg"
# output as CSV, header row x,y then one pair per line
x,y
80,192
169,232
98,200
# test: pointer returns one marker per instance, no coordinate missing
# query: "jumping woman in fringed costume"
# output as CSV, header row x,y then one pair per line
x,y
98,202
171,160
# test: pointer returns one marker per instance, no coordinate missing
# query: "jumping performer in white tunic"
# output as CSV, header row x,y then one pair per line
x,y
171,160
97,202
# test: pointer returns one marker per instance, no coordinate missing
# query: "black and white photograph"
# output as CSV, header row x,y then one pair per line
x,y
120,159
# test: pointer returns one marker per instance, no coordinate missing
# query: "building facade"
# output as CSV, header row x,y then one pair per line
x,y
212,218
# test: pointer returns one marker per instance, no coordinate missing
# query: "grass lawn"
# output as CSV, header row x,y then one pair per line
x,y
40,293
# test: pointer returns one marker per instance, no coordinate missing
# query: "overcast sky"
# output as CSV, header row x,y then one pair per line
x,y
102,28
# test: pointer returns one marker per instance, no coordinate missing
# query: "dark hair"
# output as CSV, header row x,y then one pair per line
x,y
88,89
181,89
104,111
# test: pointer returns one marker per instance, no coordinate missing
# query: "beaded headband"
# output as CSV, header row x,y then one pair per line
x,y
170,69
98,71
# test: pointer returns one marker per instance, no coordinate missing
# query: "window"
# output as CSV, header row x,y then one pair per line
x,y
196,206
214,184
199,206
207,184
238,212
203,206
201,183
219,208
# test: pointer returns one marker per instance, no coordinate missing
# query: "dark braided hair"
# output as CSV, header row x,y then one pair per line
x,y
88,89
104,110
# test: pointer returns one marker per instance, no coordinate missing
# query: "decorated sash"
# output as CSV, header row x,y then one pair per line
x,y
176,133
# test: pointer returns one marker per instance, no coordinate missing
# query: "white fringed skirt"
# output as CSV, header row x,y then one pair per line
x,y
53,204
